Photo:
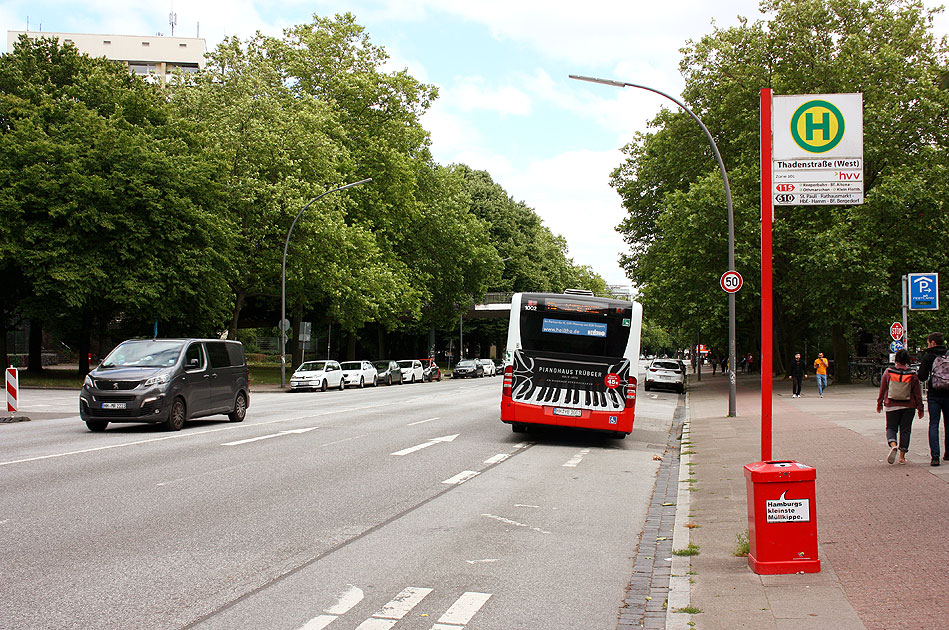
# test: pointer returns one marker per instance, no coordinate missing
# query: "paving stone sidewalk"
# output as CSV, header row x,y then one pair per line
x,y
881,528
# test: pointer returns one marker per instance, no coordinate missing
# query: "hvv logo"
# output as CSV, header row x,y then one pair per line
x,y
924,291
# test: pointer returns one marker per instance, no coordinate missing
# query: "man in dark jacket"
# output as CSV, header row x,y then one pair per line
x,y
937,398
796,373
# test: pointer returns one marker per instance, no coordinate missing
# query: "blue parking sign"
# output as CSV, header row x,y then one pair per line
x,y
924,291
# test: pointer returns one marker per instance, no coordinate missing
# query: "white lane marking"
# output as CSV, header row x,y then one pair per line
x,y
412,424
355,437
480,561
461,612
525,505
497,459
523,444
391,613
267,437
216,471
462,477
431,442
349,598
515,523
576,459
183,434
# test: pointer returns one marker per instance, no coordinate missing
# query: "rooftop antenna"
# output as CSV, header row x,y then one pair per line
x,y
172,21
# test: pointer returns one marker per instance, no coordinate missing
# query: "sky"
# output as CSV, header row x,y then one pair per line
x,y
505,102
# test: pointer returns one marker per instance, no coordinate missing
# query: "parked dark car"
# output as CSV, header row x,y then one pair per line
x,y
389,371
469,368
431,371
166,381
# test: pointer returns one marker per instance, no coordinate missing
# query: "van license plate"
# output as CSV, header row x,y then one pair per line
x,y
573,413
120,405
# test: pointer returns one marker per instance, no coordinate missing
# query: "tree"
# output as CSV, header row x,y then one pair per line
x,y
102,198
836,269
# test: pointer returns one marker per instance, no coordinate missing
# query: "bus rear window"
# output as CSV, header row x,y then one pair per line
x,y
577,329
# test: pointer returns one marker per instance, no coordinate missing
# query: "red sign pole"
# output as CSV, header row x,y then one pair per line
x,y
767,217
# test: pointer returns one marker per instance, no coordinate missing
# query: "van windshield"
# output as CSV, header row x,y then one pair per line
x,y
150,353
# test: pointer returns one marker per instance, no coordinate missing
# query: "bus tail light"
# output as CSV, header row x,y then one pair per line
x,y
631,392
507,388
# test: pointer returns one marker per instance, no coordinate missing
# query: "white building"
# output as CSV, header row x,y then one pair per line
x,y
156,56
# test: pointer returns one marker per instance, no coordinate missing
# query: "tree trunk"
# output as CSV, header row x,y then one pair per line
x,y
239,298
36,346
841,355
350,346
297,348
381,337
85,327
4,357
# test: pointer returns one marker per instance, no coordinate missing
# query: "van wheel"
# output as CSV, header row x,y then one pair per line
x,y
619,435
97,426
323,385
240,408
518,428
176,419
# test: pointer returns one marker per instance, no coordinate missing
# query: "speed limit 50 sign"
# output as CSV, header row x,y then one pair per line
x,y
731,281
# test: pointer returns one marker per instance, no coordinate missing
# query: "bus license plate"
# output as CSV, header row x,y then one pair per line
x,y
107,405
573,413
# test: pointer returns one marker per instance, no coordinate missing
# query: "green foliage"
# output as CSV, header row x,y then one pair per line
x,y
836,269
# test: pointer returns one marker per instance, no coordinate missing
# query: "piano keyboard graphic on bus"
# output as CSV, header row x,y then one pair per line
x,y
595,395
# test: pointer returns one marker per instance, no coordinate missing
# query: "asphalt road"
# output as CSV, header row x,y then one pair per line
x,y
407,507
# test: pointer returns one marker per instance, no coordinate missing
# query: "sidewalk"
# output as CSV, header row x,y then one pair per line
x,y
881,528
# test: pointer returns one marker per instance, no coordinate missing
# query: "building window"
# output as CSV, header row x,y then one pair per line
x,y
106,41
182,45
145,43
67,41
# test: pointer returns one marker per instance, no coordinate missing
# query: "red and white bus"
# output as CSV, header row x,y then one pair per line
x,y
571,360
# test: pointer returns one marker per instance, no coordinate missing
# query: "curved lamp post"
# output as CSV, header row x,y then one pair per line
x,y
732,405
283,280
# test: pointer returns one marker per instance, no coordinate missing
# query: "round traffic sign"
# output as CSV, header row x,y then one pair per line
x,y
896,346
731,281
896,331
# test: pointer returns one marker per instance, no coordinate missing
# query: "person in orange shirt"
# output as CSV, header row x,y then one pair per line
x,y
820,366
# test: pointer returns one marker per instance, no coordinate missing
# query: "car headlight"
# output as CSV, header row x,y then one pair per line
x,y
87,382
159,379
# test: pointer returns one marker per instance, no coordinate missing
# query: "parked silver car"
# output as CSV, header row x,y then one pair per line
x,y
389,371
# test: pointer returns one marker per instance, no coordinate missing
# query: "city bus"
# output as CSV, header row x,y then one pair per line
x,y
571,360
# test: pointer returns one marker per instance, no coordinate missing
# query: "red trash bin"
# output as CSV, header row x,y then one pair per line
x,y
782,518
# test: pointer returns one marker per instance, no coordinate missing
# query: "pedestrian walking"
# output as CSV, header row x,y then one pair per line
x,y
797,373
820,366
751,363
725,365
935,369
714,362
901,396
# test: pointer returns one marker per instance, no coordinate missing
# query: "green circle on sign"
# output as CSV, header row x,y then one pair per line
x,y
817,126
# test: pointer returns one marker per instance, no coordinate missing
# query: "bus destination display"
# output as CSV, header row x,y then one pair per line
x,y
567,327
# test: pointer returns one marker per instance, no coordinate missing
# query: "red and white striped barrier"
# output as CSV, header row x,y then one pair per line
x,y
13,388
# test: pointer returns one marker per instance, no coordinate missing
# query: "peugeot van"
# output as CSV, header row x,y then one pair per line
x,y
166,381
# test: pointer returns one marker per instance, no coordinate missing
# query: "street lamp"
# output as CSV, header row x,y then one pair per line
x,y
732,398
283,280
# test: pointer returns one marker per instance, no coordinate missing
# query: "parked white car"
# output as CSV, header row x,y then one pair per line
x,y
412,371
665,373
359,373
490,369
319,375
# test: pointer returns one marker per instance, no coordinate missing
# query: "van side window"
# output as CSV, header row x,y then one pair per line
x,y
217,354
194,359
236,353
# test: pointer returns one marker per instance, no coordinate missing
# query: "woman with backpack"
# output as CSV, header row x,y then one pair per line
x,y
901,395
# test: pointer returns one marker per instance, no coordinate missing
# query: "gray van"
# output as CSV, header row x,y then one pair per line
x,y
167,381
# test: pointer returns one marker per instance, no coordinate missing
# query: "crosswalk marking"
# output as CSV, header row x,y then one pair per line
x,y
391,613
461,612
343,605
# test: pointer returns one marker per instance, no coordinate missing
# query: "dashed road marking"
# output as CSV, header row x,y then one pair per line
x,y
515,523
576,459
497,459
462,477
460,613
343,605
412,424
